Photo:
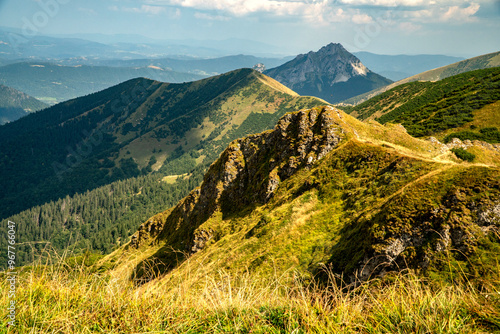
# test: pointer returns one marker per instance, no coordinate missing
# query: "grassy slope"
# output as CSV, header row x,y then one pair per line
x,y
73,299
476,63
261,95
439,108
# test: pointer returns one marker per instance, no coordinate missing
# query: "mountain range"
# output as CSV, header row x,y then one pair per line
x,y
398,67
332,73
52,83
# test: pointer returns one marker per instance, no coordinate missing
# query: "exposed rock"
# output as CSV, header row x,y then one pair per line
x,y
259,67
331,73
249,171
448,227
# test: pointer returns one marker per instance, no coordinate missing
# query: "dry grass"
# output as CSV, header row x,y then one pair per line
x,y
59,299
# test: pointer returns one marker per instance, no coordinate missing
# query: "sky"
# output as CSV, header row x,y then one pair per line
x,y
456,28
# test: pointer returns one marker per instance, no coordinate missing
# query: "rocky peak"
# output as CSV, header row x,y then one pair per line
x,y
249,171
331,73
332,61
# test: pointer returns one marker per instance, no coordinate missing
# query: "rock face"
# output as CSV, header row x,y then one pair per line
x,y
248,171
332,73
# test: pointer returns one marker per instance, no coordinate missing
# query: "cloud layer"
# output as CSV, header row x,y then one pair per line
x,y
323,11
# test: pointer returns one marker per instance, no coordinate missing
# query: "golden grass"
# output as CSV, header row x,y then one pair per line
x,y
60,299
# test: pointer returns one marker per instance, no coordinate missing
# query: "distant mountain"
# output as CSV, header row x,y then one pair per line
x,y
132,129
15,45
208,67
398,67
332,73
15,104
52,83
476,63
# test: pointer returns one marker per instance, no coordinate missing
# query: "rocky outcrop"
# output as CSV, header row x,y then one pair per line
x,y
457,225
248,172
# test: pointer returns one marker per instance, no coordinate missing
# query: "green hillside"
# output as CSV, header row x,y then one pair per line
x,y
53,83
463,106
15,104
324,198
477,63
270,203
136,129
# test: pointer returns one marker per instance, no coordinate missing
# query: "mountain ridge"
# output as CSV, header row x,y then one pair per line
x,y
270,203
135,128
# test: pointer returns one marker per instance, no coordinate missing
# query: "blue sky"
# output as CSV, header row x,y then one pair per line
x,y
462,28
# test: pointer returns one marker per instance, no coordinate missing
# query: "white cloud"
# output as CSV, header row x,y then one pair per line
x,y
454,14
144,9
458,14
387,3
245,7
327,12
362,19
206,16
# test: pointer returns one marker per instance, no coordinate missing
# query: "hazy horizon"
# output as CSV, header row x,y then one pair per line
x,y
455,28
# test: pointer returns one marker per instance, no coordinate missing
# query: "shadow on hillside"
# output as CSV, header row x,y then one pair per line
x,y
173,255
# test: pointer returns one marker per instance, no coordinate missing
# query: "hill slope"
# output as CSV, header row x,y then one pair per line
x,y
465,106
55,83
132,129
398,67
476,63
325,188
15,104
332,73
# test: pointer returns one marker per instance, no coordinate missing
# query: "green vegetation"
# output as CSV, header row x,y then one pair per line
x,y
489,135
110,187
364,209
372,237
427,108
99,220
463,154
71,297
92,141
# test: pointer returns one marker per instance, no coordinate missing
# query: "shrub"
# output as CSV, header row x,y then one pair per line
x,y
463,154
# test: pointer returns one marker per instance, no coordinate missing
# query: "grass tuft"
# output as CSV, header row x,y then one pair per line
x,y
55,299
